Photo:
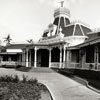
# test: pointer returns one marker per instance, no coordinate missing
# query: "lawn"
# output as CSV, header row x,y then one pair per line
x,y
11,88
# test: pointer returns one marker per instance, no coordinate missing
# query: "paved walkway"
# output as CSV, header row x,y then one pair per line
x,y
61,87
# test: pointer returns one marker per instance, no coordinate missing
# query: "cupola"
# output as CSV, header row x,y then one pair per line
x,y
62,16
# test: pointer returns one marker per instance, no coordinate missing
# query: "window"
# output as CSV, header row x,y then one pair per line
x,y
90,54
75,56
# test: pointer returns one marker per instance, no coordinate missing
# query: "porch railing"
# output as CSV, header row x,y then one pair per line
x,y
57,65
75,65
8,63
15,63
89,66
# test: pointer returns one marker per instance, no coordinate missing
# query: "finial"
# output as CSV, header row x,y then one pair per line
x,y
62,3
60,33
60,29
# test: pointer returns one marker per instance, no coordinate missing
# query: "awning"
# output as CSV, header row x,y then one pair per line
x,y
8,53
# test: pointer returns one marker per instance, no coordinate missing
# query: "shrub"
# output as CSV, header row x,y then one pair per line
x,y
42,87
24,79
23,68
31,81
7,78
91,66
19,66
16,79
95,83
11,88
88,74
20,91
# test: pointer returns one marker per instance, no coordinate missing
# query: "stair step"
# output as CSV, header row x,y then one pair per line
x,y
41,70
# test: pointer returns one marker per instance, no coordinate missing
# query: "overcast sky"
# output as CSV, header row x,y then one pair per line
x,y
27,19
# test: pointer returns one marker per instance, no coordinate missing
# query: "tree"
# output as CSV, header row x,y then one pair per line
x,y
7,39
30,41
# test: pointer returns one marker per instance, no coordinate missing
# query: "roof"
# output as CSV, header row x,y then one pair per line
x,y
16,46
2,47
72,30
75,30
88,42
68,31
92,35
48,42
8,53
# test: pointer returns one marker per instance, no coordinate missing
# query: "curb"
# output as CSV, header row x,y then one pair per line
x,y
90,87
52,96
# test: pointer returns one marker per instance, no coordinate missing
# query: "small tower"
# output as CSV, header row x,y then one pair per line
x,y
62,16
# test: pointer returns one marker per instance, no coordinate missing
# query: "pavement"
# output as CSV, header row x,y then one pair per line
x,y
60,87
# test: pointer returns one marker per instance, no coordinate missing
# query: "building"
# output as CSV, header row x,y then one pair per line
x,y
64,44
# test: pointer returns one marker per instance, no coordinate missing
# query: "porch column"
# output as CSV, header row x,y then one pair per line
x,y
64,57
96,56
50,58
30,58
68,59
35,58
27,58
82,57
60,57
1,58
19,60
24,57
9,59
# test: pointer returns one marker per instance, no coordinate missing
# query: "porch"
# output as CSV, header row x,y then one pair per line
x,y
39,56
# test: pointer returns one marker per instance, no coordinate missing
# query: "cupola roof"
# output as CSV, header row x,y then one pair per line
x,y
62,11
76,30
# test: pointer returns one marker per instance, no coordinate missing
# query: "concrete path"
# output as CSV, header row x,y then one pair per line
x,y
61,87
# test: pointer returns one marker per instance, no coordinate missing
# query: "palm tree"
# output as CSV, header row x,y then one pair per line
x,y
7,39
30,41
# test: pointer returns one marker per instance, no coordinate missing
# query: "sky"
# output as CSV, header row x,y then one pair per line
x,y
27,19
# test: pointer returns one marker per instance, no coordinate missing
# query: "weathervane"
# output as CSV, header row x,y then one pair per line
x,y
62,3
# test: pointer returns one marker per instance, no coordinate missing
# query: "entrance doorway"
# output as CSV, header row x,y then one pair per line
x,y
55,55
43,58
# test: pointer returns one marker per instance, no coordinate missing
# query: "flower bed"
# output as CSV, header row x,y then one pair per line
x,y
11,88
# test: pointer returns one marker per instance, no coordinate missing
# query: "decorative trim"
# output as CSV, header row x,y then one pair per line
x,y
74,30
81,30
58,25
61,15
